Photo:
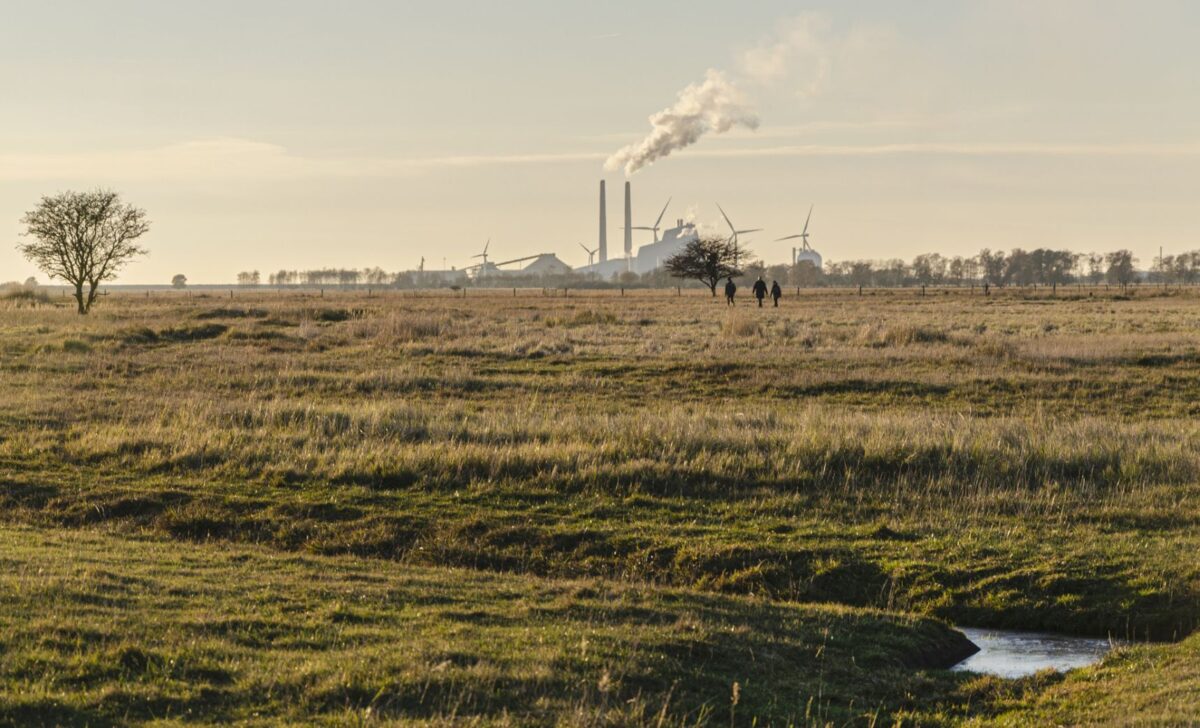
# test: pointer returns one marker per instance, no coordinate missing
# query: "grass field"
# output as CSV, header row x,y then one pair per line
x,y
805,496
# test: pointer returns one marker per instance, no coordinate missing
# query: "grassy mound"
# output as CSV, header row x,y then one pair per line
x,y
105,631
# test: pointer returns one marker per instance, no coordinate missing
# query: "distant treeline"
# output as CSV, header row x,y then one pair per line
x,y
1018,267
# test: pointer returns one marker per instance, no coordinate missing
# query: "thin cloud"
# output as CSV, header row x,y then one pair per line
x,y
1186,149
241,159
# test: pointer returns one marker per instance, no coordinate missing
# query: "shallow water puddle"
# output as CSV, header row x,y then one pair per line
x,y
1016,654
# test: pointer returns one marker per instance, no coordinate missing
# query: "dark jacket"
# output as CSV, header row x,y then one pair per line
x,y
776,291
730,289
760,289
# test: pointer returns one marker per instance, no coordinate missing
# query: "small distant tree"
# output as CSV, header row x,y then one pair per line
x,y
1019,269
708,260
1120,267
753,270
248,278
31,283
1186,267
84,238
922,268
861,272
1095,264
894,272
992,266
956,269
179,281
347,277
805,273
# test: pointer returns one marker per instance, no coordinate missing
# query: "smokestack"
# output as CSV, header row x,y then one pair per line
x,y
628,223
603,226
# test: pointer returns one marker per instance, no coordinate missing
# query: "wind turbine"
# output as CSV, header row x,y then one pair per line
x,y
733,238
483,265
591,253
803,236
658,222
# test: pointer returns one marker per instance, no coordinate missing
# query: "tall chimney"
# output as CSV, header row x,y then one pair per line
x,y
628,223
603,226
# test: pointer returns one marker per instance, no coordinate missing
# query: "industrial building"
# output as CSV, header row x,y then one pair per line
x,y
542,264
649,257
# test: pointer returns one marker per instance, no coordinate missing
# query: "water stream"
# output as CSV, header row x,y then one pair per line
x,y
1016,654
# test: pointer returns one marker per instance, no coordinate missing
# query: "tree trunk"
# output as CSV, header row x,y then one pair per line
x,y
79,299
91,298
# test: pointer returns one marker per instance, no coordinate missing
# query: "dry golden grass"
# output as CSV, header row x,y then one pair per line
x,y
1012,460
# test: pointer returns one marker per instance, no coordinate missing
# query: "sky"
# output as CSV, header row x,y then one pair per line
x,y
262,134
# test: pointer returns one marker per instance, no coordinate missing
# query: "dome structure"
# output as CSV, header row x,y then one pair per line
x,y
807,254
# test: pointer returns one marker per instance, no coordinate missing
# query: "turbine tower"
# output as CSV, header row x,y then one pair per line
x,y
603,226
628,223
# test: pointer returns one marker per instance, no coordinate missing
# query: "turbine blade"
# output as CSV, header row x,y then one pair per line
x,y
727,222
664,212
810,209
790,237
755,230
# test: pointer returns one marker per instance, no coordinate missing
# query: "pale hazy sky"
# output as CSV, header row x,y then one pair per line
x,y
300,134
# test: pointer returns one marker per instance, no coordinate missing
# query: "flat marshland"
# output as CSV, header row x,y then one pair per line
x,y
645,509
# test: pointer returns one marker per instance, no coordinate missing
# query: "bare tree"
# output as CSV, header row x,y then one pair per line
x,y
805,273
84,238
1095,263
707,260
993,266
1120,268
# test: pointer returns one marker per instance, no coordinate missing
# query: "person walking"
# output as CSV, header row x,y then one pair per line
x,y
776,292
760,290
730,291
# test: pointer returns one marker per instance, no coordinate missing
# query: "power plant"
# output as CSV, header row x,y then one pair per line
x,y
649,257
646,259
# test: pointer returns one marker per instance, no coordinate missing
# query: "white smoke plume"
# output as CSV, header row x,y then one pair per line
x,y
799,47
797,56
714,105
